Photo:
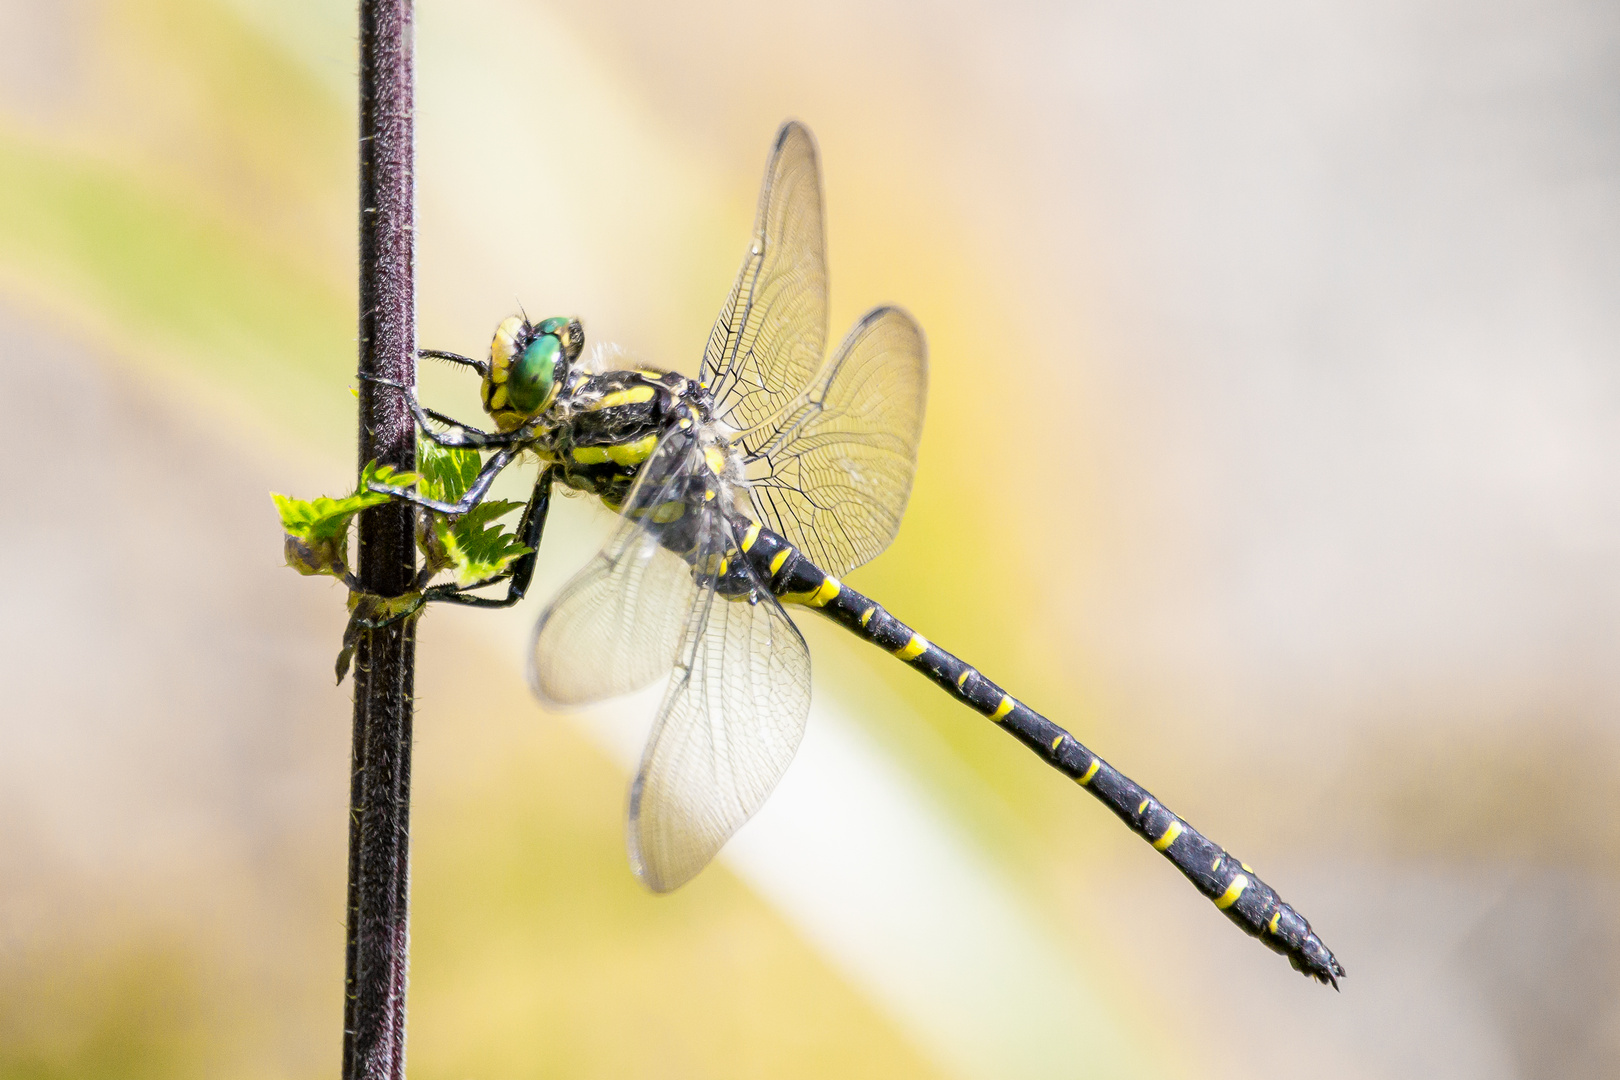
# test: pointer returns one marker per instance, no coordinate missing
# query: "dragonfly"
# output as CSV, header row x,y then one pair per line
x,y
750,489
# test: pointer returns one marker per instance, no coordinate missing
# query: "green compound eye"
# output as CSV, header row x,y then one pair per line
x,y
532,377
551,326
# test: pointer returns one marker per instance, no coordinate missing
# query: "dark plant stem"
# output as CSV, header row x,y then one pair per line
x,y
385,658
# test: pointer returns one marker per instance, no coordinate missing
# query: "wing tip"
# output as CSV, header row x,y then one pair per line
x,y
885,311
790,128
657,880
791,131
873,321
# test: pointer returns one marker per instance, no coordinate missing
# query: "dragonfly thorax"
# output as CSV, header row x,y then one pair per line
x,y
603,428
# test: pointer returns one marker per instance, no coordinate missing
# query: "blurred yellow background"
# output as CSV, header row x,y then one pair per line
x,y
1271,449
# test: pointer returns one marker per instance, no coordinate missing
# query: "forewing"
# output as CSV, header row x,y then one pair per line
x,y
617,625
768,343
835,474
730,722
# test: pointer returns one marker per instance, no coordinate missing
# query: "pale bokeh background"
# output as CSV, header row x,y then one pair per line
x,y
1272,448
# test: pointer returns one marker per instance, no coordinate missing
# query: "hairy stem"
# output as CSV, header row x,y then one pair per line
x,y
385,670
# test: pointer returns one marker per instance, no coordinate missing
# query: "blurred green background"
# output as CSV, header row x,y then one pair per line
x,y
1272,448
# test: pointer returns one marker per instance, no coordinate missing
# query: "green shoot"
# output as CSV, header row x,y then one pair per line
x,y
318,529
471,545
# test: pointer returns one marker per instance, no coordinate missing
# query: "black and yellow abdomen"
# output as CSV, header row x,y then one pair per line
x,y
1230,884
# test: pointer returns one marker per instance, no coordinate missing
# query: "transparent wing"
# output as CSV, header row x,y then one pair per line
x,y
835,476
729,724
769,340
617,625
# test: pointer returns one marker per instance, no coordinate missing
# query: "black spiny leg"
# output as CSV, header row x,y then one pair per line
x,y
465,437
522,571
475,491
480,366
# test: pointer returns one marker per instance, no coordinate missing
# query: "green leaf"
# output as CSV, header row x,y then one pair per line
x,y
471,545
318,529
316,520
477,546
324,518
446,472
387,476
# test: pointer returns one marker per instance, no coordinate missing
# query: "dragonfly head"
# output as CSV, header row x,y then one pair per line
x,y
528,364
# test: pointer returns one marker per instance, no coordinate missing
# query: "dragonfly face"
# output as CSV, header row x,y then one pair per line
x,y
528,364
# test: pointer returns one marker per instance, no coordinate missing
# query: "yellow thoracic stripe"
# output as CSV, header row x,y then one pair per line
x,y
1003,709
750,536
633,396
630,453
1169,836
633,453
776,563
1091,771
817,597
913,648
1233,891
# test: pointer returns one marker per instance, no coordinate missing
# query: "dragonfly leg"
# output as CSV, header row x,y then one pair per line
x,y
464,437
480,366
522,570
435,414
475,491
